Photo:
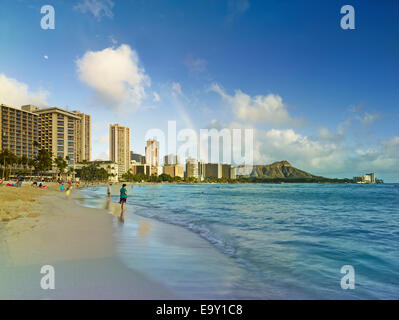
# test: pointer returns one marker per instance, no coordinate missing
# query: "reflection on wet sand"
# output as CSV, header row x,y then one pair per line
x,y
144,228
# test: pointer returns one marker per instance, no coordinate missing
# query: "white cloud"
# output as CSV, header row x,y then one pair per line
x,y
156,98
45,57
304,152
337,153
98,8
326,155
368,118
326,135
176,89
116,77
326,158
258,109
16,94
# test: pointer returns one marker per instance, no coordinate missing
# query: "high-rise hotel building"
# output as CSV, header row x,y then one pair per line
x,y
61,132
57,128
82,137
119,147
152,153
18,131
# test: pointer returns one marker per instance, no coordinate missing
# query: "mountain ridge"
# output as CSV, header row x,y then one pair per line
x,y
278,169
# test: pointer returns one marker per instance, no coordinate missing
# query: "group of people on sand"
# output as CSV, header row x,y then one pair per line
x,y
40,185
122,199
17,183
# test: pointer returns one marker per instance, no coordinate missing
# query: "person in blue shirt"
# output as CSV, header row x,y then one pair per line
x,y
123,199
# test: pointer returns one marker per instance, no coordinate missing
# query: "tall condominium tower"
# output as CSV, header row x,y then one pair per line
x,y
57,132
18,131
82,137
119,146
171,159
152,153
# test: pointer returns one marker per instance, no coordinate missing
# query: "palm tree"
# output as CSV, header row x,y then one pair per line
x,y
24,163
31,164
43,161
71,172
13,161
61,165
5,159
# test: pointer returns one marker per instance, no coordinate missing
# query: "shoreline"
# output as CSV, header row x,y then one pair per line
x,y
78,242
95,256
104,184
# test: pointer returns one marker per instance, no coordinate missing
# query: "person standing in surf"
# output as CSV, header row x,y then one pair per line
x,y
109,191
122,201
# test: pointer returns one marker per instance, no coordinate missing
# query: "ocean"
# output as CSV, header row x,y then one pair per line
x,y
281,241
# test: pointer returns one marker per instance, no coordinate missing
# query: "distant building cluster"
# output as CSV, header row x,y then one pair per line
x,y
201,171
367,178
150,164
67,134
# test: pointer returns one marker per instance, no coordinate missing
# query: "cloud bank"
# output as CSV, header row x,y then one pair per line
x,y
115,76
16,94
98,8
258,109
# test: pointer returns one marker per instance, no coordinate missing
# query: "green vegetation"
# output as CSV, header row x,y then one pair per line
x,y
278,172
61,165
280,169
314,179
43,162
130,177
7,160
92,172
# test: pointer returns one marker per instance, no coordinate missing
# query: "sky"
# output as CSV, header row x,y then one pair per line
x,y
324,98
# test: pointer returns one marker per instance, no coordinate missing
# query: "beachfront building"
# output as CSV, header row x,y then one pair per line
x,y
57,132
138,158
152,152
152,156
367,178
195,169
213,170
82,137
228,171
174,170
119,147
18,131
158,170
172,166
191,168
140,168
109,166
171,159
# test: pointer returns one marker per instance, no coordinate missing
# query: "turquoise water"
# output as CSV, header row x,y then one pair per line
x,y
291,239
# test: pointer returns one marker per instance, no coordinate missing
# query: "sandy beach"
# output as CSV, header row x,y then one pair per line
x,y
96,256
43,227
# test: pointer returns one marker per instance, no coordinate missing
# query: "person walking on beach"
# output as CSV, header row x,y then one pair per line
x,y
20,180
122,201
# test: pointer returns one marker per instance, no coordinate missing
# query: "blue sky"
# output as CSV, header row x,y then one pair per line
x,y
324,98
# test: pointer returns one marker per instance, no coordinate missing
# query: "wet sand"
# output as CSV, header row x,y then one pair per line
x,y
96,256
43,227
